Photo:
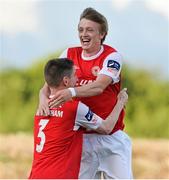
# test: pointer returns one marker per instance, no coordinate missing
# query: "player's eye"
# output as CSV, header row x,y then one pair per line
x,y
90,30
80,30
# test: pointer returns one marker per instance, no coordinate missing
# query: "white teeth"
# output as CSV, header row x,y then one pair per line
x,y
85,40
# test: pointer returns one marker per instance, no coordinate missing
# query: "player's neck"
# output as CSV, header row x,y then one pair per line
x,y
53,91
91,52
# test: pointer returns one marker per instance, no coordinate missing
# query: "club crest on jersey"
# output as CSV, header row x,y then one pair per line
x,y
95,70
89,115
113,64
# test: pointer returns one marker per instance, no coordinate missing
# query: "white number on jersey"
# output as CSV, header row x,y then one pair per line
x,y
41,134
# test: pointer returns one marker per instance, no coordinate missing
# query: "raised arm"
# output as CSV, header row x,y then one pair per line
x,y
109,123
43,108
86,118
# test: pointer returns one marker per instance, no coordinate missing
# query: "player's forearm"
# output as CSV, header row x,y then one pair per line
x,y
94,88
44,91
111,120
91,89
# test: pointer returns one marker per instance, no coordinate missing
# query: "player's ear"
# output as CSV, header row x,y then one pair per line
x,y
66,81
102,35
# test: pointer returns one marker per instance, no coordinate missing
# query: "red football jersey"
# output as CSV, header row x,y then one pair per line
x,y
86,71
57,147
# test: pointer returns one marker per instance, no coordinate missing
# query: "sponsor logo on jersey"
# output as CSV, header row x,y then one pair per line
x,y
89,115
95,70
83,82
113,64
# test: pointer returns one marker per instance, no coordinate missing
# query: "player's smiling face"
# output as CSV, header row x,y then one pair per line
x,y
89,34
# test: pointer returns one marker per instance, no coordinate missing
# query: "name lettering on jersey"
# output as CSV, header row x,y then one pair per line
x,y
89,115
55,112
95,70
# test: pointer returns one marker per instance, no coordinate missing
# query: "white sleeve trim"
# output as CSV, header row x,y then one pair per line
x,y
112,72
64,54
86,118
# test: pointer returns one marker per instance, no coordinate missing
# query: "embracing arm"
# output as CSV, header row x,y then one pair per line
x,y
110,73
94,88
109,123
45,91
92,121
90,89
43,107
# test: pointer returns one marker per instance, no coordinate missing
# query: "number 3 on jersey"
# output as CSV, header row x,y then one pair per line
x,y
41,134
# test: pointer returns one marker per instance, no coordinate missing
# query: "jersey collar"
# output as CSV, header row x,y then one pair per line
x,y
94,56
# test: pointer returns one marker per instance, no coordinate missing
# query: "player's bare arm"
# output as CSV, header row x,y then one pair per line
x,y
94,88
91,121
91,89
109,123
43,108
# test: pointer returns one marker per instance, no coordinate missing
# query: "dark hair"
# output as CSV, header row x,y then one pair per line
x,y
56,69
93,15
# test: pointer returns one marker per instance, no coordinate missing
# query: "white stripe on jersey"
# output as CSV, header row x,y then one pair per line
x,y
86,118
113,73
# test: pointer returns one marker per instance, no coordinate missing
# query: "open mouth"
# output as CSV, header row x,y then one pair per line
x,y
85,41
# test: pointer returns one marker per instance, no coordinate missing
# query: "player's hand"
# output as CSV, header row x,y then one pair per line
x,y
123,97
43,108
60,97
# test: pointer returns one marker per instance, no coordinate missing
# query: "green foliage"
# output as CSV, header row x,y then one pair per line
x,y
19,97
146,111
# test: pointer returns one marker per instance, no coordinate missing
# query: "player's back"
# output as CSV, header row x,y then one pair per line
x,y
57,147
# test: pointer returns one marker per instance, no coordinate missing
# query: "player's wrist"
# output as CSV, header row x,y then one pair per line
x,y
120,104
72,91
